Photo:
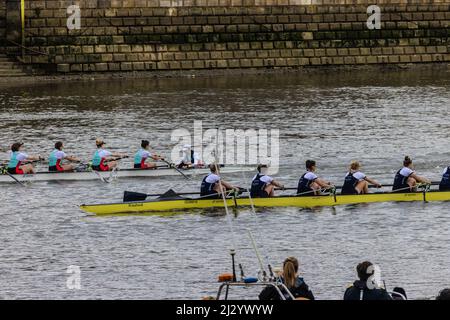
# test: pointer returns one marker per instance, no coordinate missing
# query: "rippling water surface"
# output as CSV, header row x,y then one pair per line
x,y
334,118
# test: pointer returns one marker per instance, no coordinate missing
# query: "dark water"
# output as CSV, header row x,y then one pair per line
x,y
334,118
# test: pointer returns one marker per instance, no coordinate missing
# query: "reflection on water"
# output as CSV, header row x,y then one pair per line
x,y
333,118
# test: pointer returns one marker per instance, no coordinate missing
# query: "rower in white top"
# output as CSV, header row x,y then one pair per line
x,y
357,182
309,183
263,186
444,185
406,178
190,158
212,185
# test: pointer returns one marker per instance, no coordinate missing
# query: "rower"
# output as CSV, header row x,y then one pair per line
x,y
309,183
212,182
190,158
263,186
17,163
406,178
104,160
444,185
57,156
143,154
357,182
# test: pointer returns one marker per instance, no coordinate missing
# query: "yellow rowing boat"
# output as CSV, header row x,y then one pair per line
x,y
161,205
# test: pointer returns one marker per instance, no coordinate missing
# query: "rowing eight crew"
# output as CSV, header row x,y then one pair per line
x,y
102,160
309,184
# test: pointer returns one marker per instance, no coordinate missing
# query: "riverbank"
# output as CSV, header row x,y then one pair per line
x,y
376,69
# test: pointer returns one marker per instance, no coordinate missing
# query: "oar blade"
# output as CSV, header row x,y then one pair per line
x,y
129,196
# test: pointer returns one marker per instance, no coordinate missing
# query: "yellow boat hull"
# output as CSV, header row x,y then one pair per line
x,y
282,201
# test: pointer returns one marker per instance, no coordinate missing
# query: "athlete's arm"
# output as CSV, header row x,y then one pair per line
x,y
277,184
323,184
157,157
72,158
228,186
118,155
373,182
34,158
420,179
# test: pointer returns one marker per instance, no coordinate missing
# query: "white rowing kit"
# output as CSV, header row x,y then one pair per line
x,y
109,175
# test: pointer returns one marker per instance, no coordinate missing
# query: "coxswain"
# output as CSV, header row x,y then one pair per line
x,y
357,182
143,155
309,183
263,186
190,158
57,156
406,178
212,185
104,160
18,160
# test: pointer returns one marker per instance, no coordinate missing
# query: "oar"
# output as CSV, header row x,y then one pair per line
x,y
4,170
137,196
117,158
173,167
14,178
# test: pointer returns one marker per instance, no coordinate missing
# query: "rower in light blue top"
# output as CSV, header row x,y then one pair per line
x,y
143,154
57,156
104,160
18,161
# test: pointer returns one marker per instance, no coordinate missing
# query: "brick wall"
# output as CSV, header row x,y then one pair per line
x,y
204,34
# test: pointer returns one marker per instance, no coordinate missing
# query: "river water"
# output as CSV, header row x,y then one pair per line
x,y
333,117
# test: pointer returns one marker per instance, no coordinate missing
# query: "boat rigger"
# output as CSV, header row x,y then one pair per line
x,y
183,203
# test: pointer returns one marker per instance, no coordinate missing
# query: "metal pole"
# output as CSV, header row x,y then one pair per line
x,y
22,18
232,252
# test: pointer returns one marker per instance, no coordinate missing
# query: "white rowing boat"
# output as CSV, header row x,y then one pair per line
x,y
108,176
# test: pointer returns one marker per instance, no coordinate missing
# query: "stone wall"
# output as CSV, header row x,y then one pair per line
x,y
206,34
2,25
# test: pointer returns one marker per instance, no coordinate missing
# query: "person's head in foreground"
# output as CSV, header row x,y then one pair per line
x,y
444,294
362,270
290,271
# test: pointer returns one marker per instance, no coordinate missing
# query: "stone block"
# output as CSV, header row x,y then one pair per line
x,y
126,66
113,66
64,68
393,59
303,61
186,65
76,68
101,67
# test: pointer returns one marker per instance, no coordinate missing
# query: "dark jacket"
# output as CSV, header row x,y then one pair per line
x,y
301,290
354,292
